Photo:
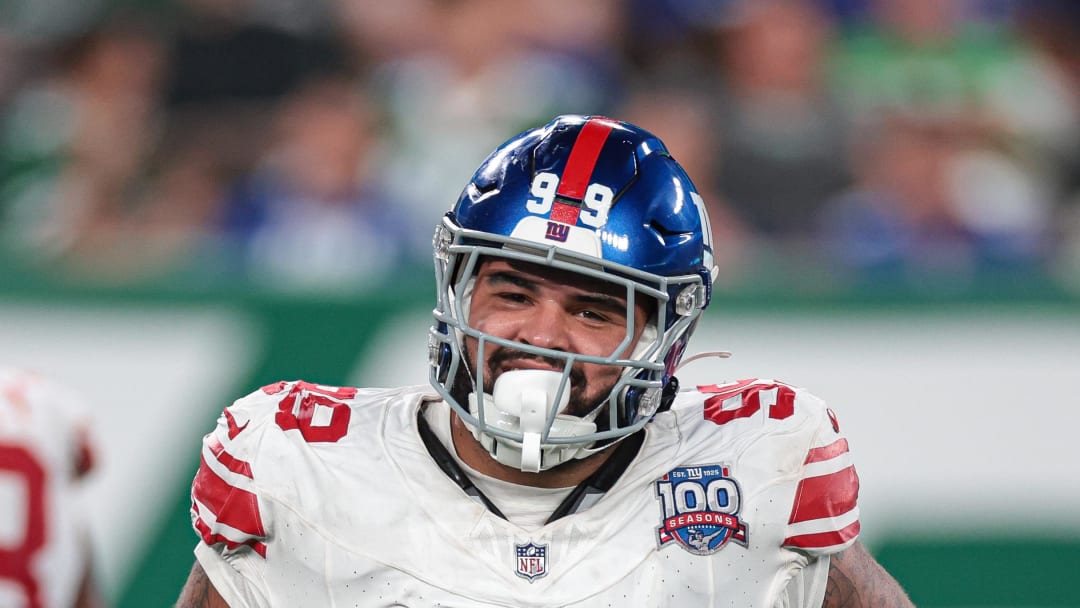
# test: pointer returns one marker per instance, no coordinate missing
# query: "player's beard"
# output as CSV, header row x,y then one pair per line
x,y
578,405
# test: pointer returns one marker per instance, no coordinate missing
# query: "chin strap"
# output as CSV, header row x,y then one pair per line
x,y
449,466
586,493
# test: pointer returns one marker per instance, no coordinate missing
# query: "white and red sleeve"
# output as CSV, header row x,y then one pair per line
x,y
225,506
824,515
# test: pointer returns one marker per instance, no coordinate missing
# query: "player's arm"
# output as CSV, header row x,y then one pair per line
x,y
856,579
199,592
89,596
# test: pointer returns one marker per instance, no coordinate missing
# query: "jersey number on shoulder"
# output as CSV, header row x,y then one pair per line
x,y
317,411
15,559
744,399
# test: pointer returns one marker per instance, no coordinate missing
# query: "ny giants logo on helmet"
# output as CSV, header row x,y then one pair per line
x,y
700,507
557,232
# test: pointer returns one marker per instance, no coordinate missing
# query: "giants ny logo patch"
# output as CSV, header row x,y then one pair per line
x,y
557,232
531,561
700,509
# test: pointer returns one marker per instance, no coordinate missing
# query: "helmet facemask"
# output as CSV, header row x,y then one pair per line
x,y
526,418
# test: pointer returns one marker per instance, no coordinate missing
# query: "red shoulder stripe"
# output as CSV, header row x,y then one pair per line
x,y
234,430
211,539
231,462
230,505
825,495
820,540
834,449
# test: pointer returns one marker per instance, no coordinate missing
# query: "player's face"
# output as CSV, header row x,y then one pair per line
x,y
557,310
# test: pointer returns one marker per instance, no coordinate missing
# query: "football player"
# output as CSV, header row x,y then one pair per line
x,y
45,453
553,460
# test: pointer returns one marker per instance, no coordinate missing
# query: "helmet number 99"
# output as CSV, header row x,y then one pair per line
x,y
595,205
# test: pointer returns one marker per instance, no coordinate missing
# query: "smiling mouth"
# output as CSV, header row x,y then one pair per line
x,y
517,364
504,361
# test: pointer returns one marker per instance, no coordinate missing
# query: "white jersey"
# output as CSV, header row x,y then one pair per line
x,y
44,451
321,496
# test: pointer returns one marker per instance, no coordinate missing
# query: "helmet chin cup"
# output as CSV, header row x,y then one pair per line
x,y
521,403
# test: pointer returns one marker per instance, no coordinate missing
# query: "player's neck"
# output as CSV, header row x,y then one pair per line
x,y
563,476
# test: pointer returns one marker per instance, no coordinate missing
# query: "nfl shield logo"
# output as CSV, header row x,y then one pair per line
x,y
531,561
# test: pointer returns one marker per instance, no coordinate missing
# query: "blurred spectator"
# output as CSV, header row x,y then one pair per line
x,y
75,141
380,33
228,68
119,147
1050,91
996,112
782,132
46,556
454,99
11,65
223,54
314,214
673,39
909,218
41,22
929,59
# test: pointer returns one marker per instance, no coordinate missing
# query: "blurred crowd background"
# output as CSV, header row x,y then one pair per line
x,y
250,187
304,145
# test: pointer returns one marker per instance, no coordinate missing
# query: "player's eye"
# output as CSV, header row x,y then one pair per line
x,y
516,297
596,316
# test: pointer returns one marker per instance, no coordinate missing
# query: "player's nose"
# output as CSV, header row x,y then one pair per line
x,y
547,327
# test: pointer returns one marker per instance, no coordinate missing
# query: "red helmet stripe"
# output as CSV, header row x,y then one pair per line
x,y
582,159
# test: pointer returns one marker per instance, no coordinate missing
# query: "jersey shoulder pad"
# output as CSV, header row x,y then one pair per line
x,y
800,435
824,516
762,399
226,510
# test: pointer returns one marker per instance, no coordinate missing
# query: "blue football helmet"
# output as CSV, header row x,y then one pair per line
x,y
594,196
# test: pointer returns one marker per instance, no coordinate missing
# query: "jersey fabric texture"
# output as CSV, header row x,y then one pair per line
x,y
44,452
324,496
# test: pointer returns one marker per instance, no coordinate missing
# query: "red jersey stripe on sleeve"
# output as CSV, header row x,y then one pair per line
x,y
825,496
234,429
232,463
210,538
230,505
821,540
834,449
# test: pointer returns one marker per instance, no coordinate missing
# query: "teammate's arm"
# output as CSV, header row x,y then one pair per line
x,y
199,592
857,580
89,596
